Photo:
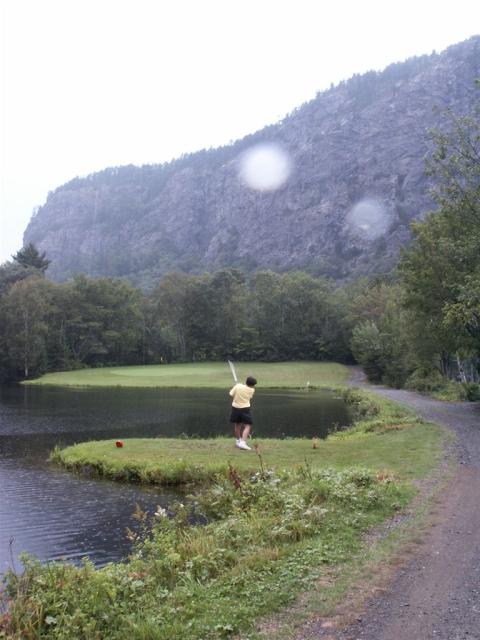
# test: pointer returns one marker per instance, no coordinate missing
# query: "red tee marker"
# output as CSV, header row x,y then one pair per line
x,y
119,443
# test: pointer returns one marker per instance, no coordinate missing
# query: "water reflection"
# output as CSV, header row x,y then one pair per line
x,y
55,514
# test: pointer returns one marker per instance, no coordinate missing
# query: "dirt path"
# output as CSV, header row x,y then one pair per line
x,y
436,593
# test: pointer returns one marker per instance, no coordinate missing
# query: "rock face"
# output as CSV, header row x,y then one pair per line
x,y
357,156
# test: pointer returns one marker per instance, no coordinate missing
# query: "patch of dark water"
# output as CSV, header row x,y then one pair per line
x,y
56,515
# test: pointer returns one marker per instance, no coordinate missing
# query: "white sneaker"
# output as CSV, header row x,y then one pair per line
x,y
241,444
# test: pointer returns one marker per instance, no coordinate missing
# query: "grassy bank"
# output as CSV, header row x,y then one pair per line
x,y
268,532
406,447
210,374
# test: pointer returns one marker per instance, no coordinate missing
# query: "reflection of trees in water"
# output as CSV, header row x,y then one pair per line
x,y
75,415
53,513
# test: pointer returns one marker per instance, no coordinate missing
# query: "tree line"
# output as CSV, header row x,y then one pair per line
x,y
418,327
92,322
426,328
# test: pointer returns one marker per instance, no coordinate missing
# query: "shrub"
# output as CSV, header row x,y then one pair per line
x,y
426,381
367,348
360,403
434,383
472,391
162,590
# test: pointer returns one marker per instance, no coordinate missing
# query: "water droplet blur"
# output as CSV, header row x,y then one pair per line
x,y
369,218
265,167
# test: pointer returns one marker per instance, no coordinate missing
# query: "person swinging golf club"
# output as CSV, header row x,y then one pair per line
x,y
241,416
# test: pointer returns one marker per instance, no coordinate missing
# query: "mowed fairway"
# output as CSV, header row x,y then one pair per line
x,y
211,374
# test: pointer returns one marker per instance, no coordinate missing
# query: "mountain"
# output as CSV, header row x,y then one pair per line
x,y
357,179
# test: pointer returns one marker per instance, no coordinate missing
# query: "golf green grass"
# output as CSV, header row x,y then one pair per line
x,y
204,374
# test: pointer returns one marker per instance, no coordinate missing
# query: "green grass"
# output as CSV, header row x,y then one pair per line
x,y
265,542
386,436
409,452
211,374
271,534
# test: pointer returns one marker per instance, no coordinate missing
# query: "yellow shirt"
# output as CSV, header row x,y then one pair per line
x,y
241,394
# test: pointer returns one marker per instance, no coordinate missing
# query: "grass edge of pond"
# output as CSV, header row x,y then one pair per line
x,y
263,583
185,461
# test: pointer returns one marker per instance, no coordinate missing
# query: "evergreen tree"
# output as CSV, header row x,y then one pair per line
x,y
29,256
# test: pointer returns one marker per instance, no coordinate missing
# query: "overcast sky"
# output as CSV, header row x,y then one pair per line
x,y
87,84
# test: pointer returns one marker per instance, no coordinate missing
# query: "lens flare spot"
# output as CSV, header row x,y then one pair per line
x,y
265,167
369,218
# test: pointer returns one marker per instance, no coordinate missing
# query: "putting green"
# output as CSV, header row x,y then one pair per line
x,y
205,374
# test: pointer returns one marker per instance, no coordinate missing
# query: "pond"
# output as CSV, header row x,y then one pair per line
x,y
56,515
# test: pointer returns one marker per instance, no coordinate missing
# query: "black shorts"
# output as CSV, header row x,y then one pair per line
x,y
241,416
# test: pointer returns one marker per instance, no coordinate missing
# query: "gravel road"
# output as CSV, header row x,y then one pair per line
x,y
436,593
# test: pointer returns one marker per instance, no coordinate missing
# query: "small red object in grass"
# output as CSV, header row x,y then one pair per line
x,y
119,443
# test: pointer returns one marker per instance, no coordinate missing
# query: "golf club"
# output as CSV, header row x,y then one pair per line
x,y
232,369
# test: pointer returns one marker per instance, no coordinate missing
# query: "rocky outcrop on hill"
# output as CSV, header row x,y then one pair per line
x,y
357,179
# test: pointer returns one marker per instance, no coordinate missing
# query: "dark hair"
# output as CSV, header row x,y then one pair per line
x,y
251,381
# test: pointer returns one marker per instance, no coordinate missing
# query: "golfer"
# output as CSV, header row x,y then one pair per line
x,y
241,416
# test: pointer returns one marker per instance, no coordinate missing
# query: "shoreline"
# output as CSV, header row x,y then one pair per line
x,y
305,521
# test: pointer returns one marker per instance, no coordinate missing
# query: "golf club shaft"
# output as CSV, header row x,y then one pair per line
x,y
232,369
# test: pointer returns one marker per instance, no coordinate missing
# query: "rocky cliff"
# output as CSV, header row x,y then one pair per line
x,y
356,180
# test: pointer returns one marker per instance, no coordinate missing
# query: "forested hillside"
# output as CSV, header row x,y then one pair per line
x,y
419,327
360,146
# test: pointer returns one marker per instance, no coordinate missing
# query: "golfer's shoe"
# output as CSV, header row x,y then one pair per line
x,y
241,444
